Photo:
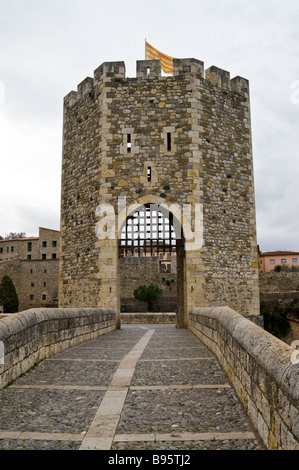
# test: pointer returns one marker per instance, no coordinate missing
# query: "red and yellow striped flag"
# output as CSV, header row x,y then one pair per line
x,y
153,54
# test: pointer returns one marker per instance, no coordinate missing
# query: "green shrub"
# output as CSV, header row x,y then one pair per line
x,y
8,295
149,294
288,269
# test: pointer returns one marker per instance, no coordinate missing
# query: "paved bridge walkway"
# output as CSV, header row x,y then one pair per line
x,y
144,387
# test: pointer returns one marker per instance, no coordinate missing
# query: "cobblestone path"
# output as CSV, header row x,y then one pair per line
x,y
144,387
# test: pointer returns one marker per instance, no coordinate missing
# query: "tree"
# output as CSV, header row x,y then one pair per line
x,y
275,318
8,295
149,294
15,235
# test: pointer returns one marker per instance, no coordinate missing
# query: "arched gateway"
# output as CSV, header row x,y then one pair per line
x,y
151,231
181,143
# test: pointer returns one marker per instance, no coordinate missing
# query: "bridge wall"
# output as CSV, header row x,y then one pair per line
x,y
263,370
148,318
33,335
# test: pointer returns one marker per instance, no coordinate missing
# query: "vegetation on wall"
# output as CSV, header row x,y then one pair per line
x,y
288,269
276,313
13,236
8,295
168,283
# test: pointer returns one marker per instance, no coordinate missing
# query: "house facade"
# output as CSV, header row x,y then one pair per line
x,y
271,259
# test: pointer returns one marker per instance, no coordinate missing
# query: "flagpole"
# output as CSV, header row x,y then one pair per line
x,y
145,49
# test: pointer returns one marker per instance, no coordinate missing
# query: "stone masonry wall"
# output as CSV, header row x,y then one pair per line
x,y
36,282
29,337
135,271
209,162
279,284
148,318
79,285
263,370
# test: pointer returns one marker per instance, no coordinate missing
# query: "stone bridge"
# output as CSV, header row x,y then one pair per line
x,y
70,379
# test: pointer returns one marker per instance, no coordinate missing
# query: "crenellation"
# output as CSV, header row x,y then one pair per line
x,y
109,70
71,98
86,86
152,69
148,68
240,85
218,77
188,66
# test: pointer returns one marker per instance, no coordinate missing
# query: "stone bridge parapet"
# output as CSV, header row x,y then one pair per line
x,y
263,370
29,337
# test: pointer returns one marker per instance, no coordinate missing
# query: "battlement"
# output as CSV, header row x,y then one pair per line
x,y
150,69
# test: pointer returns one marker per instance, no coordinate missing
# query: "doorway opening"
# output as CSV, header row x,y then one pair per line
x,y
151,251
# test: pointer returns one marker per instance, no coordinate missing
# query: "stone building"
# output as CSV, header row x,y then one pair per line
x,y
169,149
33,265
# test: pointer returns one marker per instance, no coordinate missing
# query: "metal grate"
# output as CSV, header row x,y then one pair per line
x,y
148,232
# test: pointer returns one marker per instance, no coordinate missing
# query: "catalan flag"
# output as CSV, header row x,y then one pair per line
x,y
153,54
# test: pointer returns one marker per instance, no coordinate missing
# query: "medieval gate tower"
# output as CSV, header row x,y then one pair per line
x,y
180,144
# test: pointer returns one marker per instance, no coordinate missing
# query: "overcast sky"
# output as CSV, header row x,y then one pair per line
x,y
48,47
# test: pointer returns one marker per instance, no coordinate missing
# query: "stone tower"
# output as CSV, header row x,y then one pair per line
x,y
182,143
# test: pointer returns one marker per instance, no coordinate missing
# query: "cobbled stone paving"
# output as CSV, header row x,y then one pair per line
x,y
179,397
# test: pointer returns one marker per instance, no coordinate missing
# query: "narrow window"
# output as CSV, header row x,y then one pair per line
x,y
44,244
54,243
12,249
168,141
149,173
44,256
53,255
29,246
31,297
148,71
129,143
44,297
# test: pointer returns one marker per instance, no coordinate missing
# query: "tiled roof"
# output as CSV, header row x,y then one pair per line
x,y
9,260
279,253
19,239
